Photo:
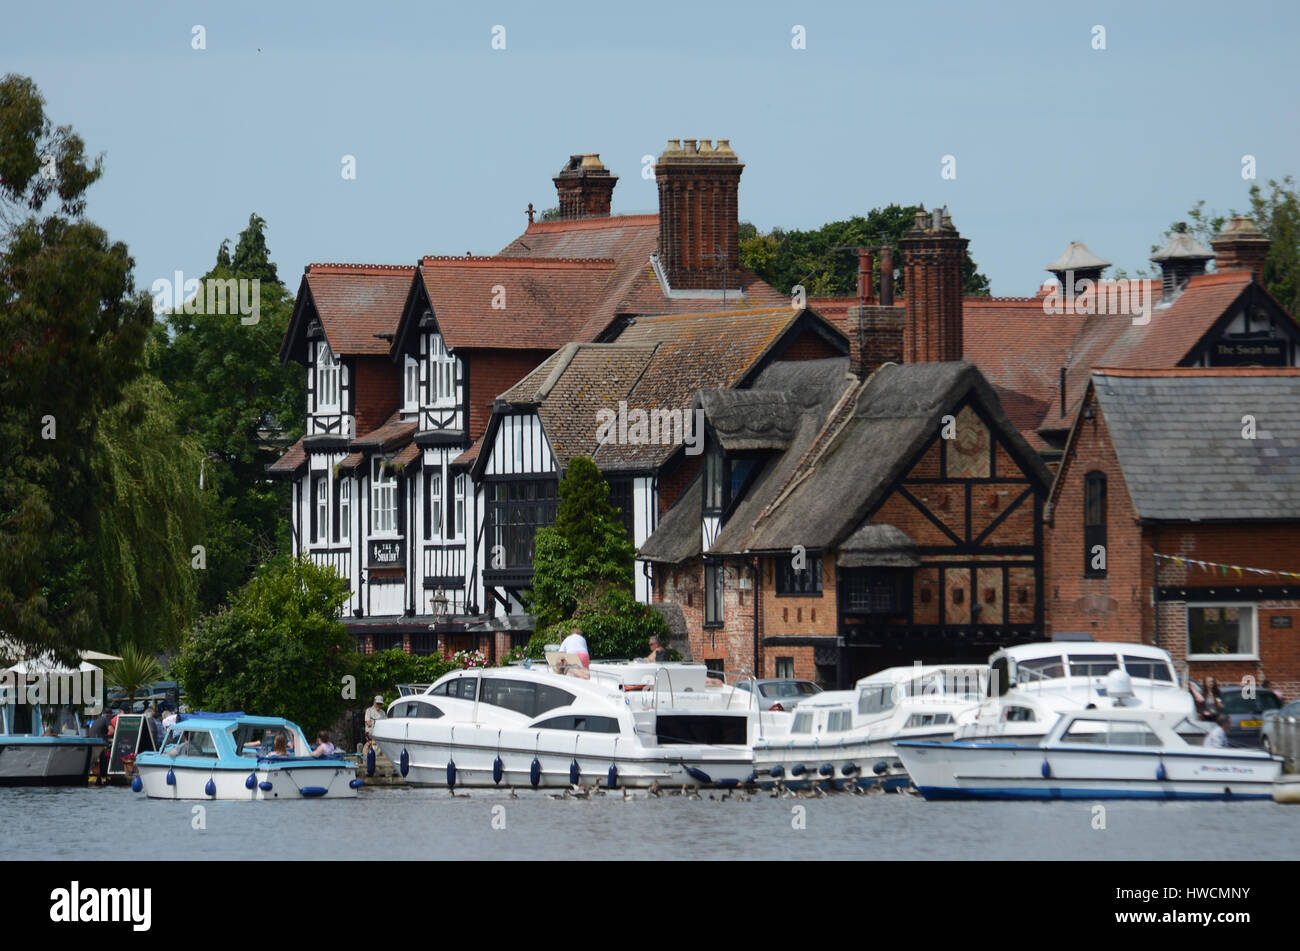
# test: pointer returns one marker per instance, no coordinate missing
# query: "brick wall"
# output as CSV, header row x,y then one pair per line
x,y
491,373
377,385
734,641
672,486
809,346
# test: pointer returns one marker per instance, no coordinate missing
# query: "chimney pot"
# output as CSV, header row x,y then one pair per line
x,y
933,259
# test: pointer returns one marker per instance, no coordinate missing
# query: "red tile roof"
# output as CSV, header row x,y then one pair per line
x,y
357,301
288,465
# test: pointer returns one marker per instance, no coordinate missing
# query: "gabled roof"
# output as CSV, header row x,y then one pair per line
x,y
358,305
1178,438
291,463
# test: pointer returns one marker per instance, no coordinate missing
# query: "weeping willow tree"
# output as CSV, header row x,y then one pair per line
x,y
149,520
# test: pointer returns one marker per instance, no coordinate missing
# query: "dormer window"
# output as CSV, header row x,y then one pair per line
x,y
412,385
442,372
327,379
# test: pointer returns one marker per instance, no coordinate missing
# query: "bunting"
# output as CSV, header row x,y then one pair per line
x,y
1223,569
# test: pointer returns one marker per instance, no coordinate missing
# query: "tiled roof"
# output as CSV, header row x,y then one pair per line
x,y
393,433
357,301
1178,438
288,465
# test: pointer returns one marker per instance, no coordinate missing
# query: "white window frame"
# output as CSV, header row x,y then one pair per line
x,y
459,486
322,510
411,385
383,499
434,499
345,509
1253,630
328,373
442,373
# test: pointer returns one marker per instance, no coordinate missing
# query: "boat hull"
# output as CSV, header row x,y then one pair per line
x,y
477,748
331,779
1013,771
47,761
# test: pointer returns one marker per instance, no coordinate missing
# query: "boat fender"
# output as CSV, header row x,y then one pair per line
x,y
370,761
404,764
264,785
799,769
880,768
357,783
1161,774
728,783
535,772
575,773
697,774
611,780
1046,769
826,769
753,775
136,785
312,791
171,776
776,771
498,770
251,781
210,787
451,774
849,769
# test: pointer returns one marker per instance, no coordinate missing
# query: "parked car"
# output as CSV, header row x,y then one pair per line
x,y
1247,713
1271,718
780,694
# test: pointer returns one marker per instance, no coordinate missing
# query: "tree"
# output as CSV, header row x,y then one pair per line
x,y
821,261
71,336
241,407
136,669
1276,212
277,649
583,572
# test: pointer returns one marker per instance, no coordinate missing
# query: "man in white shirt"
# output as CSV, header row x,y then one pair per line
x,y
374,713
1218,736
575,643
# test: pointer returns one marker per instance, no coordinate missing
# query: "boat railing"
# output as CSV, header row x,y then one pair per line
x,y
664,671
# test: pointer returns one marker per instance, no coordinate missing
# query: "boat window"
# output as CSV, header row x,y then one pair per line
x,y
64,722
802,723
1017,714
1149,667
929,719
461,687
581,723
1132,733
687,728
875,699
524,697
414,708
548,698
1086,731
253,739
1039,668
196,743
838,721
1092,665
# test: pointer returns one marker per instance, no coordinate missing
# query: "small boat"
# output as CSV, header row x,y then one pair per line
x,y
1032,684
43,741
843,737
230,756
540,726
1104,753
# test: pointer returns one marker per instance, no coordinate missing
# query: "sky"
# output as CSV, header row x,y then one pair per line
x,y
1054,140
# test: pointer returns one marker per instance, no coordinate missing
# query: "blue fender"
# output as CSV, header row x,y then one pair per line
x,y
210,787
776,772
826,769
357,783
313,791
264,785
251,781
612,777
575,773
370,761
697,774
498,770
171,776
1046,769
404,763
535,772
451,774
136,784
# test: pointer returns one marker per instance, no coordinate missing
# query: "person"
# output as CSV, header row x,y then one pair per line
x,y
1218,736
153,723
326,748
281,747
117,712
657,653
188,746
1213,700
374,713
170,719
99,726
575,643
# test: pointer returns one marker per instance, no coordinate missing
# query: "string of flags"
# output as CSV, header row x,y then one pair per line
x,y
1223,569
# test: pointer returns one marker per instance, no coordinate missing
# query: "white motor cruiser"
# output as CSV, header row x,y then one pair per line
x,y
1110,752
1031,684
843,736
547,726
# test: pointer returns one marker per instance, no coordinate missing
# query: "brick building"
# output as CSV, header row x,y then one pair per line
x,y
1174,519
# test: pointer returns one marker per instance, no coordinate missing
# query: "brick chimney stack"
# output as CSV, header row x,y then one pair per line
x,y
698,216
887,276
866,278
585,187
933,254
1241,246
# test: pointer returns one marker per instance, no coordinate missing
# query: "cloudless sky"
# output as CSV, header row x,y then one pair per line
x,y
1054,141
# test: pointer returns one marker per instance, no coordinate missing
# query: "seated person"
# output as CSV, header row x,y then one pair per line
x,y
326,748
188,746
1218,736
575,643
657,653
281,747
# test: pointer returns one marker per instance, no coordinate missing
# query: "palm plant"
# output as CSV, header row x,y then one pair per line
x,y
136,669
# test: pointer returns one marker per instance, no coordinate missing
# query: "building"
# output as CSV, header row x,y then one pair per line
x,y
1174,519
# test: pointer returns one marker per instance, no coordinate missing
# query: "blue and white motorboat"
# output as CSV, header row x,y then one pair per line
x,y
233,756
43,741
1104,753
